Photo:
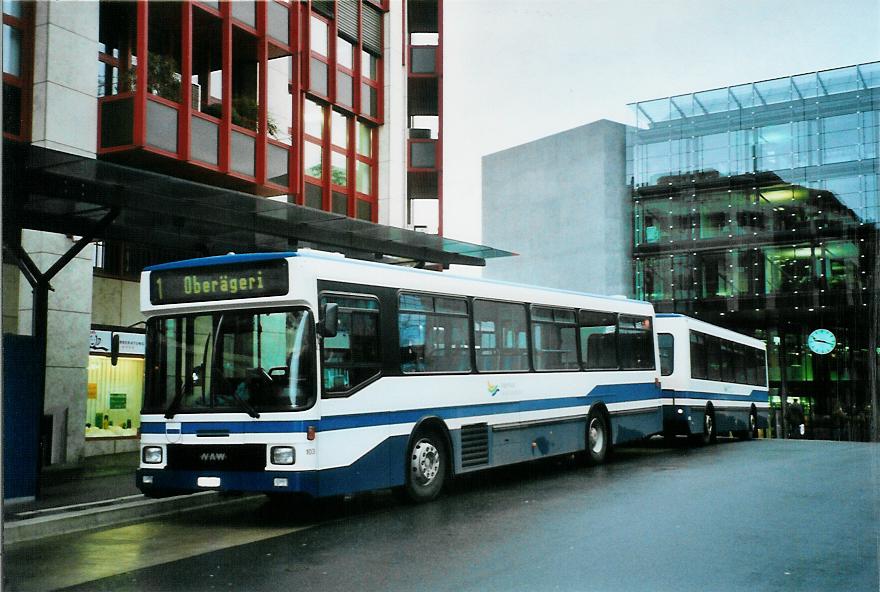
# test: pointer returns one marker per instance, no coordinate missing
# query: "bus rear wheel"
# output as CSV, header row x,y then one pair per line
x,y
752,432
598,437
708,435
426,467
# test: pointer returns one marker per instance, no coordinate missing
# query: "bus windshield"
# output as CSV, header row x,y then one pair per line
x,y
247,361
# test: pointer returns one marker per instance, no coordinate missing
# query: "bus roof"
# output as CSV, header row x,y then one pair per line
x,y
338,258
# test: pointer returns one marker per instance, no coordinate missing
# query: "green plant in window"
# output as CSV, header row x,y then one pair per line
x,y
338,176
163,77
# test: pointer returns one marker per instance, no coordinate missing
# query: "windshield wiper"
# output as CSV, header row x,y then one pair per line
x,y
175,404
245,405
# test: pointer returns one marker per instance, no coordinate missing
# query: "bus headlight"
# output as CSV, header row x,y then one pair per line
x,y
152,455
283,455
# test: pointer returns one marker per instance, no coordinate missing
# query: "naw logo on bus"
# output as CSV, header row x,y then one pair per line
x,y
493,389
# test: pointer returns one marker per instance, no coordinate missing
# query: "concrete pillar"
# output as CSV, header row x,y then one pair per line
x,y
67,351
393,134
11,279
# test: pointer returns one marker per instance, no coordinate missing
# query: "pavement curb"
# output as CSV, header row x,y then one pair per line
x,y
117,513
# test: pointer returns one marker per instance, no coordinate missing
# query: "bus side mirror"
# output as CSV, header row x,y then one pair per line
x,y
114,349
329,319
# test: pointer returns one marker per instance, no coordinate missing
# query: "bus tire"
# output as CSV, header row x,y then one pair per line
x,y
598,437
708,435
426,466
752,432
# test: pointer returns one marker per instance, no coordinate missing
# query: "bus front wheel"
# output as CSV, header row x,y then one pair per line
x,y
598,437
426,467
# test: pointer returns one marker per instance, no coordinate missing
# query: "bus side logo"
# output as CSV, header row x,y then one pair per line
x,y
493,389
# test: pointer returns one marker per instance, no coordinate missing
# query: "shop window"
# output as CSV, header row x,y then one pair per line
x,y
115,392
339,203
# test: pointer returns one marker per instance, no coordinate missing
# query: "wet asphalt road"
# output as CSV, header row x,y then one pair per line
x,y
762,515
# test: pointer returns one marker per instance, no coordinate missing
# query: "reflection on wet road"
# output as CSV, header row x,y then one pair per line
x,y
761,515
78,558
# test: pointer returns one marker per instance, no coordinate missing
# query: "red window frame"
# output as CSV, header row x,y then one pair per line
x,y
326,60
24,82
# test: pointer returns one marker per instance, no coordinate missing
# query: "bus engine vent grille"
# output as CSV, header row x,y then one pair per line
x,y
474,445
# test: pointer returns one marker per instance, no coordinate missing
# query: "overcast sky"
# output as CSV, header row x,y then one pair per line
x,y
518,70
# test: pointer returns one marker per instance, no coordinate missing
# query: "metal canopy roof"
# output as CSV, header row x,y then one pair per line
x,y
69,194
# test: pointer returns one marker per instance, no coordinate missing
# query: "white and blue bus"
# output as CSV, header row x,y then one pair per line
x,y
714,380
312,373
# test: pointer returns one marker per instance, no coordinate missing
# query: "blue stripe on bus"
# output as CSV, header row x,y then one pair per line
x,y
608,393
220,260
756,395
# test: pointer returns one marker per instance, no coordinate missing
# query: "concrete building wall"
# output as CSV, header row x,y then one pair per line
x,y
65,111
563,205
115,302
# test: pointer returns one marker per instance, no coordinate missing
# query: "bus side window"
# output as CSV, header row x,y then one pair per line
x,y
598,334
635,343
352,356
433,334
666,344
699,356
500,336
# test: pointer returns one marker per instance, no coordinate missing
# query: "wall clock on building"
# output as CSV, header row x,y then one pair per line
x,y
821,341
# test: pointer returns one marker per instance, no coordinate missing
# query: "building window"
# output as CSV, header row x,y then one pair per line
x,y
164,45
17,91
245,76
207,64
319,59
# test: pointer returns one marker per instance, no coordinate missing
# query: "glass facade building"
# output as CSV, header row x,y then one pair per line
x,y
756,207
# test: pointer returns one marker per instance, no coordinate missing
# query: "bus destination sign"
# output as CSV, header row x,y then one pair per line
x,y
219,282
